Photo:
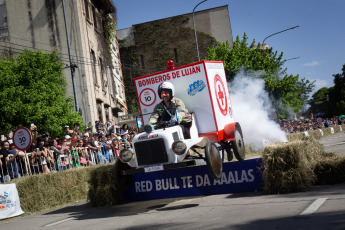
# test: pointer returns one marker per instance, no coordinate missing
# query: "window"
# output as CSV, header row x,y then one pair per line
x,y
94,17
106,111
93,64
104,81
86,5
99,110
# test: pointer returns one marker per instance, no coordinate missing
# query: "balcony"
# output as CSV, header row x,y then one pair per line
x,y
3,32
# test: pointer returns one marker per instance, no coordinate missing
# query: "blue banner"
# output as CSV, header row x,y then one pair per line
x,y
240,176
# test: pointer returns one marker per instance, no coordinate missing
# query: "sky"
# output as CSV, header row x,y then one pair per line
x,y
316,48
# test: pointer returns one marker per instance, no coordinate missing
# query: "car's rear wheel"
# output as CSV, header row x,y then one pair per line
x,y
122,182
213,160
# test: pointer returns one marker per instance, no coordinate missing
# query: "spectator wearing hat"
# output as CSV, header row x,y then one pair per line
x,y
88,131
67,130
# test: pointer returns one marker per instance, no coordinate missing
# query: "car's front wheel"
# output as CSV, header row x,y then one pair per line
x,y
214,160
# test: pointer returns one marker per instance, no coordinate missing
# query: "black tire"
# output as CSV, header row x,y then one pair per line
x,y
238,144
213,160
122,182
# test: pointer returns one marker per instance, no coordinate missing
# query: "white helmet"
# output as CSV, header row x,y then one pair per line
x,y
166,86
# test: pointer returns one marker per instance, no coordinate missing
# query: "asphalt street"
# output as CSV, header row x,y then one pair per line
x,y
334,143
321,208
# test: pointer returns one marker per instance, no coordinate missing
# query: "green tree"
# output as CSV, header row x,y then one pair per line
x,y
337,94
330,101
319,102
284,89
32,90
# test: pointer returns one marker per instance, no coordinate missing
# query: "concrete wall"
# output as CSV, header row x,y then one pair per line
x,y
215,22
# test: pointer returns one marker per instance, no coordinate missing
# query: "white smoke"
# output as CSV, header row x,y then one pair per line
x,y
251,108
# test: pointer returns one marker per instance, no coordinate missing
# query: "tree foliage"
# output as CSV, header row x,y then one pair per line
x,y
284,90
32,90
330,101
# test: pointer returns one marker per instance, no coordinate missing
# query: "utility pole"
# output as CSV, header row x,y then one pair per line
x,y
71,64
196,39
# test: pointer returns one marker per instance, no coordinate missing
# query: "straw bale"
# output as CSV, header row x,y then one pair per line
x,y
103,191
45,191
289,166
330,170
295,136
315,133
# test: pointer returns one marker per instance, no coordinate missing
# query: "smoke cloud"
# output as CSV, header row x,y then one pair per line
x,y
251,108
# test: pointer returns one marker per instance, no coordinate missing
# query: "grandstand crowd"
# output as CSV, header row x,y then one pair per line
x,y
76,148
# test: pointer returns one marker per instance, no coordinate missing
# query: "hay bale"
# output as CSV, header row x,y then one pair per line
x,y
103,191
46,191
330,170
316,134
289,166
295,136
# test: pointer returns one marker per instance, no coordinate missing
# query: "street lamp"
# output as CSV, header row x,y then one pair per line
x,y
196,39
279,33
292,59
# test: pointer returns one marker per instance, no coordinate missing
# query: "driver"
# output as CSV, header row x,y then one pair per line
x,y
171,108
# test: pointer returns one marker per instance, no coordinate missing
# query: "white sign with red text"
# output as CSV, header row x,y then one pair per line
x,y
203,88
22,138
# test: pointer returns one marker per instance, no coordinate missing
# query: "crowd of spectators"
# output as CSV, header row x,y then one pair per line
x,y
301,125
76,148
80,148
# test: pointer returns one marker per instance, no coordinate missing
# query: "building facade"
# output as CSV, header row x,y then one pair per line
x,y
94,50
147,47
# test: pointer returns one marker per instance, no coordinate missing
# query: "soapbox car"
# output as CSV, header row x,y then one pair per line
x,y
162,146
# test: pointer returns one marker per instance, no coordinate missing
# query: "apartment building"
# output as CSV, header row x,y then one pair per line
x,y
94,50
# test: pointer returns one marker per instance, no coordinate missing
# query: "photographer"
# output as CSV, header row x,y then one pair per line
x,y
35,159
126,143
33,130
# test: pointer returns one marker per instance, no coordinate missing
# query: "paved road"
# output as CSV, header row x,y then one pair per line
x,y
334,143
322,208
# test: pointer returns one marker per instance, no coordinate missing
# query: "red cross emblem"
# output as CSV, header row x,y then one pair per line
x,y
220,95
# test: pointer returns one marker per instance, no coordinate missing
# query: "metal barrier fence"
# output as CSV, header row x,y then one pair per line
x,y
27,164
